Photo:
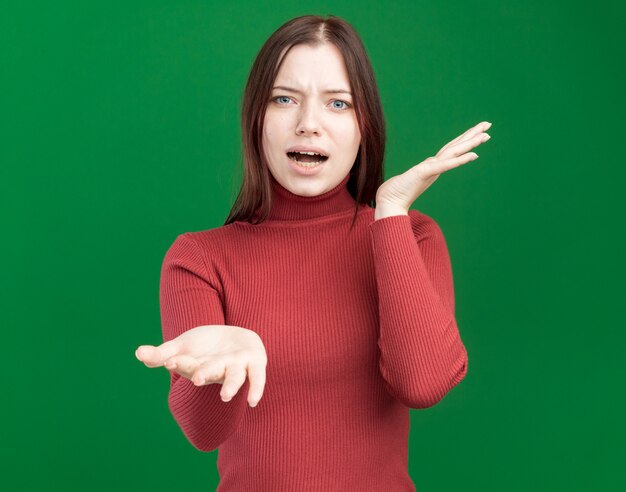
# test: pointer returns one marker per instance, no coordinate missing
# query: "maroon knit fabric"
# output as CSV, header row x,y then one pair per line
x,y
358,326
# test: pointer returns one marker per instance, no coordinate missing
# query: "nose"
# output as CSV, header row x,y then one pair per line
x,y
309,121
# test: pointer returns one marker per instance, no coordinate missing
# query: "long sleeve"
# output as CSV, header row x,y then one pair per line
x,y
422,356
190,297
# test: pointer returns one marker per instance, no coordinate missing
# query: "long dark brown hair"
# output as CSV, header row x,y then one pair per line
x,y
367,172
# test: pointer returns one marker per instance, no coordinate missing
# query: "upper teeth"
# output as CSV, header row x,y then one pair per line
x,y
309,153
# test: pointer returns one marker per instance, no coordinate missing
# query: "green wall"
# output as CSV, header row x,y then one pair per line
x,y
120,130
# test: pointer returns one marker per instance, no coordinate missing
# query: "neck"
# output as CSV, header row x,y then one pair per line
x,y
289,206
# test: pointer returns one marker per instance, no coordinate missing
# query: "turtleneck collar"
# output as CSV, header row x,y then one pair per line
x,y
289,206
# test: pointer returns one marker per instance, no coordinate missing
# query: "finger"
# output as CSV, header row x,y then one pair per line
x,y
153,356
481,137
256,374
209,372
234,378
481,127
436,166
185,365
464,146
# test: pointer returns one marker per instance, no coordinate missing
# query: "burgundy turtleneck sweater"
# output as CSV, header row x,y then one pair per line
x,y
358,328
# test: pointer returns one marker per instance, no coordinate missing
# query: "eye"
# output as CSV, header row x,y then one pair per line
x,y
280,97
347,105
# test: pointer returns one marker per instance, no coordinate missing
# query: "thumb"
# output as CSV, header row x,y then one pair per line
x,y
153,356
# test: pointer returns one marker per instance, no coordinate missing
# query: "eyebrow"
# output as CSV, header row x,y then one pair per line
x,y
329,91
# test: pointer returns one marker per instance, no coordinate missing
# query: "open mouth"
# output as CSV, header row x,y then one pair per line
x,y
307,157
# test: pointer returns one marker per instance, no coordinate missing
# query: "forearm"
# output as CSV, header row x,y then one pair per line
x,y
205,419
189,298
421,353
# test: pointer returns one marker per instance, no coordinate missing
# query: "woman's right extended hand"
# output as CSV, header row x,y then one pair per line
x,y
212,354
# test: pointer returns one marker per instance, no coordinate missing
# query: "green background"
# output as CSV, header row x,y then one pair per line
x,y
120,130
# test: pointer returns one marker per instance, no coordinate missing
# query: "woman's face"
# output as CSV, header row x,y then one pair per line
x,y
303,114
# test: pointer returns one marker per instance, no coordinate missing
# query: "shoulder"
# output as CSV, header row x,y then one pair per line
x,y
204,247
201,253
208,241
425,227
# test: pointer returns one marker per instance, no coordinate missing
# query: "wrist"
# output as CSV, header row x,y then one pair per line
x,y
383,210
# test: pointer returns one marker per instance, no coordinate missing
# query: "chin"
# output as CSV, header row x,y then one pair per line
x,y
309,188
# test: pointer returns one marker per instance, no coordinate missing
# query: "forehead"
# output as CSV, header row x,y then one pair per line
x,y
307,66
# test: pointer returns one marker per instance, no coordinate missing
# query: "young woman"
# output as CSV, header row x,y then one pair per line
x,y
338,314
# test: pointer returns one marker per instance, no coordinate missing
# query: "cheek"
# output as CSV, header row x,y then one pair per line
x,y
272,131
350,127
357,132
268,138
351,135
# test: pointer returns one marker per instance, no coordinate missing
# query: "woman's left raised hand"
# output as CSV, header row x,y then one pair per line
x,y
396,195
